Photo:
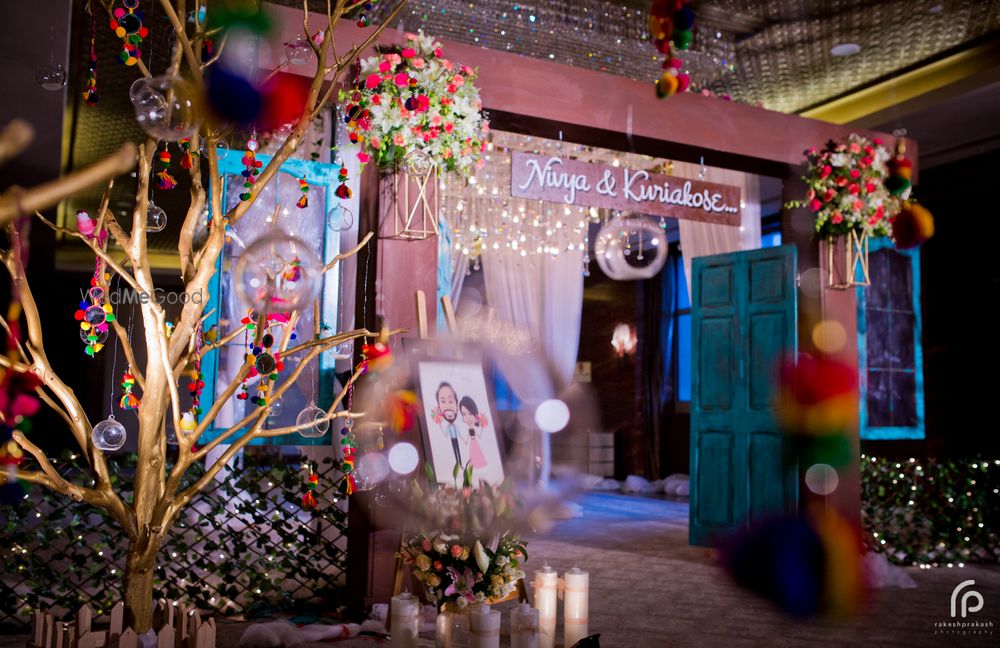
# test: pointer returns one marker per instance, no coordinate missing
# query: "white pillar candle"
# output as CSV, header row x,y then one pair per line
x,y
484,630
575,605
405,620
524,627
443,630
546,592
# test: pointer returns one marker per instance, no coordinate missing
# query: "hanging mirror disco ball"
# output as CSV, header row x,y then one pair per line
x,y
631,247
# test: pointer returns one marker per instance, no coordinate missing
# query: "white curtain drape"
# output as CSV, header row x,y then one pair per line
x,y
704,239
540,294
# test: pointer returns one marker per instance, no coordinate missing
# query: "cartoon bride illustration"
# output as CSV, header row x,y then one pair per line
x,y
476,422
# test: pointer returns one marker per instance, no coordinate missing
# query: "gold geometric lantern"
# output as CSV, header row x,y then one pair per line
x,y
415,204
847,257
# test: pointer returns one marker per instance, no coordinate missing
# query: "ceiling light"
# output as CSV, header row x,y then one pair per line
x,y
845,49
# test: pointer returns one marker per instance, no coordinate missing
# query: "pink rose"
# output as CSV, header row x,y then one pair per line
x,y
458,80
841,181
376,143
867,160
870,187
451,89
384,66
854,189
456,551
402,79
364,158
373,81
417,63
815,205
446,64
408,52
855,174
394,58
857,205
398,139
423,103
448,127
855,147
410,37
827,170
877,141
829,195
467,71
437,52
377,100
880,212
810,194
837,217
426,544
436,120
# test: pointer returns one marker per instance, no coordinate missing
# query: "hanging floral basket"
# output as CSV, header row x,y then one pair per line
x,y
851,204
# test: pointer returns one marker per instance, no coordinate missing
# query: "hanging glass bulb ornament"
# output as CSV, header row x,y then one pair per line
x,y
171,434
94,336
317,417
372,469
221,148
167,107
297,51
109,434
339,218
51,76
278,273
156,218
277,408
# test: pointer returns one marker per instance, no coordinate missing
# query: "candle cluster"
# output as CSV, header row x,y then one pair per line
x,y
575,589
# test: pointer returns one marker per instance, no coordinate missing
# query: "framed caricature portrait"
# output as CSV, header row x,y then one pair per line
x,y
458,419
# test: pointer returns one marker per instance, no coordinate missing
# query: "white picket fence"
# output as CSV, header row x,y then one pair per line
x,y
176,626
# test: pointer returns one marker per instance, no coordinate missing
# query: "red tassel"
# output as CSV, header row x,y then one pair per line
x,y
308,500
186,160
303,202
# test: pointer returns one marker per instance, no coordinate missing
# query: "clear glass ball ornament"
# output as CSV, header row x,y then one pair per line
x,y
109,434
346,348
317,417
101,335
221,149
171,434
371,470
51,76
277,407
297,51
278,273
166,107
156,218
339,218
620,237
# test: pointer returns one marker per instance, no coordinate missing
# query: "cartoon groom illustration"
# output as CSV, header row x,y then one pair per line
x,y
447,404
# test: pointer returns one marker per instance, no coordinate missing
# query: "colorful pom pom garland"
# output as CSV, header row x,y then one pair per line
x,y
126,23
670,26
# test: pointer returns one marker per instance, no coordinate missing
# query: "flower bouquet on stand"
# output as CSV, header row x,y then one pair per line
x,y
466,551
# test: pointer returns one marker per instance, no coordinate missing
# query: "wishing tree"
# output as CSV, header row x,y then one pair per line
x,y
158,496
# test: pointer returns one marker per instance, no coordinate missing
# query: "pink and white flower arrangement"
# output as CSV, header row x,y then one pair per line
x,y
468,552
847,188
414,102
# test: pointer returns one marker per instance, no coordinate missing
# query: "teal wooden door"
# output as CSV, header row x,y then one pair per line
x,y
743,320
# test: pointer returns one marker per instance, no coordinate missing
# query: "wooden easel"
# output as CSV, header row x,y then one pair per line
x,y
521,593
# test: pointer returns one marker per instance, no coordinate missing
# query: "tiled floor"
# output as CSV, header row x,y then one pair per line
x,y
650,589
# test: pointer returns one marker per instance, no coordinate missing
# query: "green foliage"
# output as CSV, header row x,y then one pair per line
x,y
932,512
243,545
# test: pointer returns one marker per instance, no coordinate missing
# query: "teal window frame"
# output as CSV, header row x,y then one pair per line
x,y
317,174
889,433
